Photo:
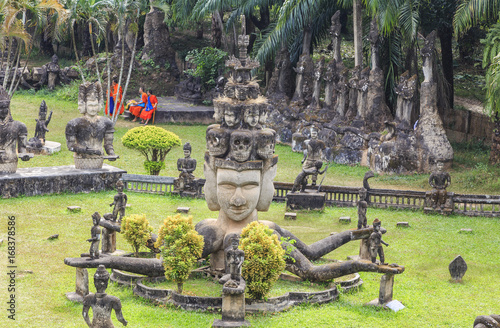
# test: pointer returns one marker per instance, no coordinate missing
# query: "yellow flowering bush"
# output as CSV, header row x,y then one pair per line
x,y
136,230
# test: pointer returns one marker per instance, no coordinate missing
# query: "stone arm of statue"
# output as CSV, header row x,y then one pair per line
x,y
305,156
431,181
383,242
21,147
108,143
72,146
85,313
47,121
117,306
447,182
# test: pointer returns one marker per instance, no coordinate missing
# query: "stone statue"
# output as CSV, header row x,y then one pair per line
x,y
95,237
312,154
375,241
85,135
363,93
427,53
362,206
409,99
120,202
251,117
374,39
13,137
299,80
439,181
353,91
487,321
232,117
41,127
330,77
51,74
343,93
318,72
399,89
186,166
300,182
101,303
234,257
336,37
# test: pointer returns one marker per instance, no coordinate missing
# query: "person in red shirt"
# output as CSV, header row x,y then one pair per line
x,y
151,106
138,107
114,99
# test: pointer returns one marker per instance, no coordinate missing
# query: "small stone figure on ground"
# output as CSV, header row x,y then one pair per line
x,y
95,237
376,242
439,181
101,303
186,166
120,202
312,154
300,182
234,257
362,206
41,126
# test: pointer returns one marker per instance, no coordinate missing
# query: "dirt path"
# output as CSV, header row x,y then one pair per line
x,y
473,105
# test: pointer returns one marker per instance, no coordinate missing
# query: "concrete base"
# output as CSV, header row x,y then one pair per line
x,y
305,201
218,323
50,147
57,179
82,286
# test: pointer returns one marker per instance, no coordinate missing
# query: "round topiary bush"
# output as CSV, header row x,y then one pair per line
x,y
136,230
180,247
264,259
154,143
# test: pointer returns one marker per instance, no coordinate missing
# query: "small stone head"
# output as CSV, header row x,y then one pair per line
x,y
42,112
362,194
241,145
314,133
96,218
377,224
440,166
55,59
101,278
232,117
263,115
235,242
217,141
218,113
187,149
4,104
266,141
251,116
119,186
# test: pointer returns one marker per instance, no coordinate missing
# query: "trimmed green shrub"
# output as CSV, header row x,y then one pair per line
x,y
154,143
180,247
264,259
136,230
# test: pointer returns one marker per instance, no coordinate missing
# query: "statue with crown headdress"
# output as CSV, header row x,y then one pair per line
x,y
87,135
186,184
13,137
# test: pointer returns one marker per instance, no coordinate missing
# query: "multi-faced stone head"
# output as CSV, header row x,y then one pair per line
x,y
251,116
90,98
101,278
217,141
241,145
265,142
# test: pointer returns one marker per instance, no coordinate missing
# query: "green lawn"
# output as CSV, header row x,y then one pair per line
x,y
425,249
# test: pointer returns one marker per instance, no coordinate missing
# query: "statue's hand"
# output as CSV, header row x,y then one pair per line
x,y
25,157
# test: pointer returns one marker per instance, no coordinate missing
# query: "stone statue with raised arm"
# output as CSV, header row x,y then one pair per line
x,y
13,137
439,181
85,135
120,202
375,241
101,303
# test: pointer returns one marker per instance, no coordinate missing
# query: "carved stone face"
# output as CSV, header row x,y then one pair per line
x,y
440,166
263,116
251,116
314,134
92,106
241,145
100,285
238,192
187,153
4,110
218,114
265,143
217,141
231,117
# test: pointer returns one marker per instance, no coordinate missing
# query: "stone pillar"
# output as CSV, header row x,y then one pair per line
x,y
233,307
82,286
385,292
108,241
364,250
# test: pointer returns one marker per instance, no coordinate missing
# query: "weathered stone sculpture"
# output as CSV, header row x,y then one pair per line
x,y
399,90
85,135
342,89
439,181
313,154
336,36
318,73
119,202
13,137
363,94
374,39
234,258
409,100
95,237
186,183
376,242
300,182
353,91
51,74
101,303
457,268
41,127
487,321
362,206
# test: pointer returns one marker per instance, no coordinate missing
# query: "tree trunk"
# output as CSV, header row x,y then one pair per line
x,y
357,17
87,47
93,54
179,287
445,37
495,143
76,52
7,72
132,57
199,30
306,40
216,31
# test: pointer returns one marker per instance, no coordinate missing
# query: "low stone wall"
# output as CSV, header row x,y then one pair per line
x,y
183,116
465,125
58,179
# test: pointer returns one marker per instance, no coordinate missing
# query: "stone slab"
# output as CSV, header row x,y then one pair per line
x,y
218,323
290,216
395,305
305,201
52,147
402,225
345,219
182,209
465,231
74,209
57,179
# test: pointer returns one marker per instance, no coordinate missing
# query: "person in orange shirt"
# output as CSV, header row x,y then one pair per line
x,y
138,107
113,102
151,106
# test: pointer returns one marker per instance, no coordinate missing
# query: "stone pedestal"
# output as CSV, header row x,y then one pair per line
x,y
50,147
364,250
58,179
385,292
82,286
305,201
233,307
108,241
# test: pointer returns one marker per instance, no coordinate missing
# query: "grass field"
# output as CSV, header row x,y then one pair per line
x,y
425,249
